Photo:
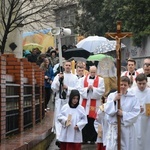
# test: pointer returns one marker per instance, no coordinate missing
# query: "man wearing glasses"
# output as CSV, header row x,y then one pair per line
x,y
146,67
146,70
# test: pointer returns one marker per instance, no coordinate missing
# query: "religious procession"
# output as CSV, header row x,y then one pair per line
x,y
96,102
85,113
97,99
75,75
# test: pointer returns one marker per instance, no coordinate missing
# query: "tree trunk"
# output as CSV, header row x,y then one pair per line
x,y
4,40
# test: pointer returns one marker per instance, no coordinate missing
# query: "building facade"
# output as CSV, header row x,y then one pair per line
x,y
65,17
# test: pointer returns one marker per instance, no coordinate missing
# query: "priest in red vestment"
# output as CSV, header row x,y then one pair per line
x,y
91,89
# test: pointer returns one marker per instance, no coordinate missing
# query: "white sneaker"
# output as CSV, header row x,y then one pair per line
x,y
48,109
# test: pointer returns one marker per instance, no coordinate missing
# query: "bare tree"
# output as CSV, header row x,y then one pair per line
x,y
22,13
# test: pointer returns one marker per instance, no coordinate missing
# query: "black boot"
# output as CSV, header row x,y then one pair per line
x,y
57,143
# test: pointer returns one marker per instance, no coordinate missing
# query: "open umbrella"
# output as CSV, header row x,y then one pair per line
x,y
78,59
107,47
76,52
92,42
30,46
99,57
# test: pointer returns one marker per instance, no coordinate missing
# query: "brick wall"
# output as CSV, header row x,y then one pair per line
x,y
20,72
2,96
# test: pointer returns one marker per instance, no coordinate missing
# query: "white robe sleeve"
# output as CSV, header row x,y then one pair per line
x,y
74,85
55,68
83,118
131,116
123,73
99,91
55,84
62,116
82,89
110,107
98,120
96,123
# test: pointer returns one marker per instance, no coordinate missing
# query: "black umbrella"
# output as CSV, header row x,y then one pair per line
x,y
76,52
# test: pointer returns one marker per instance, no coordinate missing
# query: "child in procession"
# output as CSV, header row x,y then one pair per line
x,y
73,118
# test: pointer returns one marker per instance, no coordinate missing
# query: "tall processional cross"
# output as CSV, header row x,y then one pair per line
x,y
118,36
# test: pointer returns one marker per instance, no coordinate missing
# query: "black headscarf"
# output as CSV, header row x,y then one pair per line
x,y
73,94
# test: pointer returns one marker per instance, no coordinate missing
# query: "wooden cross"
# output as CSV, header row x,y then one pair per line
x,y
118,36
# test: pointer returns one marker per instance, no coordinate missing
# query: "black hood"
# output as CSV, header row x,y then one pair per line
x,y
73,94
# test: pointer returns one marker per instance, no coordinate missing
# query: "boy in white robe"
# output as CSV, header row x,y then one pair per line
x,y
142,125
70,81
73,119
129,112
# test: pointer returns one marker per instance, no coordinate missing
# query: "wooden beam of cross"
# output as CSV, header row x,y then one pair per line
x,y
118,36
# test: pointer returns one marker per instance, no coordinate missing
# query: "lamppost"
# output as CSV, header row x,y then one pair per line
x,y
60,32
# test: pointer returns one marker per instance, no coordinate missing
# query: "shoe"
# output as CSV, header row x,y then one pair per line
x,y
92,142
57,143
48,109
84,142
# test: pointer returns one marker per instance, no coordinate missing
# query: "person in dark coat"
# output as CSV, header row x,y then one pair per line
x,y
33,57
49,76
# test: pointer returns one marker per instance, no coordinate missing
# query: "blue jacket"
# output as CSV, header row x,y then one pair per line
x,y
49,72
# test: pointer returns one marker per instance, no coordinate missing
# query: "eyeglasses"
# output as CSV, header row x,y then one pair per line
x,y
147,64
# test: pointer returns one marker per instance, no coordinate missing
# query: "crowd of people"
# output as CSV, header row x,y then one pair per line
x,y
85,113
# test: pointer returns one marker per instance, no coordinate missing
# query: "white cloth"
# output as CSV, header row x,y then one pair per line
x,y
142,125
55,68
79,118
131,109
126,73
101,120
140,70
111,137
72,82
106,68
95,94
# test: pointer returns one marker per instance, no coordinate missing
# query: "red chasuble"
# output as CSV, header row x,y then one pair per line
x,y
92,110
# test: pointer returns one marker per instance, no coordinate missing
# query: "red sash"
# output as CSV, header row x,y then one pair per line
x,y
92,110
